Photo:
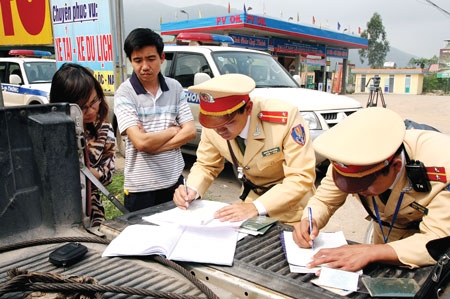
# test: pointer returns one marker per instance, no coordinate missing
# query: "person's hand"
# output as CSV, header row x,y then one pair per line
x,y
174,129
352,257
236,212
302,236
181,199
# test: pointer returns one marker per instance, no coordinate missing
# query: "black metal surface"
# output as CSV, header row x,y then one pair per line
x,y
123,272
261,260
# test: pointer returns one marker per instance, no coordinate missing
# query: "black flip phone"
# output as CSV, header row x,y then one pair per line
x,y
68,254
417,174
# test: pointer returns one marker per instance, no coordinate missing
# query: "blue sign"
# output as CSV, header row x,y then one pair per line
x,y
252,42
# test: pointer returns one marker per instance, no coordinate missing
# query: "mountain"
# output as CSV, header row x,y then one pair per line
x,y
145,13
400,57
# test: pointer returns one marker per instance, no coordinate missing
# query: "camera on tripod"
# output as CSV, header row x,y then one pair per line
x,y
375,91
375,80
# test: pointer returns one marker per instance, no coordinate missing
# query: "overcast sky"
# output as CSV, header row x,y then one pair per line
x,y
413,26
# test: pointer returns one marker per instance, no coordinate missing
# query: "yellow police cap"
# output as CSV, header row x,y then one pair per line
x,y
221,96
360,145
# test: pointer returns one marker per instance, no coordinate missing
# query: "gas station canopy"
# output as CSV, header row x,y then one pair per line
x,y
263,33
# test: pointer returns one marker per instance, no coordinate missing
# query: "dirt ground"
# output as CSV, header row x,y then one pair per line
x,y
428,109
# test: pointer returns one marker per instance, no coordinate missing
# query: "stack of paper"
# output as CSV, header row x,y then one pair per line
x,y
199,213
257,225
335,280
298,257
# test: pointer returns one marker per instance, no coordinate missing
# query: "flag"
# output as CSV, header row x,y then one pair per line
x,y
313,20
160,20
339,26
199,14
229,8
359,30
298,17
245,9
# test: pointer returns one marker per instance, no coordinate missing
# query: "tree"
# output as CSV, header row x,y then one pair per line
x,y
378,46
422,62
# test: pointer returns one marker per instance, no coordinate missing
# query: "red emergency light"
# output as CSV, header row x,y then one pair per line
x,y
38,53
205,37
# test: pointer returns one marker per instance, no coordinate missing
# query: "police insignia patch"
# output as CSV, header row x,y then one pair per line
x,y
298,134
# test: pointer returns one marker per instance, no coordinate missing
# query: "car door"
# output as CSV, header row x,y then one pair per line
x,y
12,95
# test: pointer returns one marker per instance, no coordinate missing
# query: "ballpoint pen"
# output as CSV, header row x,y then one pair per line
x,y
310,219
186,191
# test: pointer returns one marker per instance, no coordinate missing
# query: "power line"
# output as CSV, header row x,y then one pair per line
x,y
438,7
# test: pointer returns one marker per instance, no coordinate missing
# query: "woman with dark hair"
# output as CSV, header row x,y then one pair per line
x,y
73,83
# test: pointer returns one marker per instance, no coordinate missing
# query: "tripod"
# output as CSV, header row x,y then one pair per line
x,y
375,92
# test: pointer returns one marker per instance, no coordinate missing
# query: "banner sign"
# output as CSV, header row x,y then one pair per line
x,y
251,42
285,46
83,35
25,23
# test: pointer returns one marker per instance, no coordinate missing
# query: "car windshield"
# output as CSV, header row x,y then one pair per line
x,y
40,71
265,70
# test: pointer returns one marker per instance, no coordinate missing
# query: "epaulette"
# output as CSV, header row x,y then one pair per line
x,y
436,174
274,116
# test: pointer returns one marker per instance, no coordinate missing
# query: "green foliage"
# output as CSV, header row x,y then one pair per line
x,y
423,62
431,83
115,188
378,46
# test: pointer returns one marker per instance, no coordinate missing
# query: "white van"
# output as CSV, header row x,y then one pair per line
x,y
194,64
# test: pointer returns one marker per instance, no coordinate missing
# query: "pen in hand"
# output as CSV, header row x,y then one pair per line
x,y
186,191
310,219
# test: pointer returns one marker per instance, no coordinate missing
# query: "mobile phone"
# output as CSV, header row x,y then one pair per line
x,y
68,254
417,174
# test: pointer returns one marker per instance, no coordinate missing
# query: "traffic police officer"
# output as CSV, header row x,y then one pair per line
x,y
277,166
400,178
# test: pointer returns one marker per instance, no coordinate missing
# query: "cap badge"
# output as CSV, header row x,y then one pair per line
x,y
206,97
258,131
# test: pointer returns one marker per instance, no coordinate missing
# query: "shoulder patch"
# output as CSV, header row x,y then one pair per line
x,y
298,134
274,116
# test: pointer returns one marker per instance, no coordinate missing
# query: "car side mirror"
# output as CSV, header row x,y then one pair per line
x,y
200,78
15,79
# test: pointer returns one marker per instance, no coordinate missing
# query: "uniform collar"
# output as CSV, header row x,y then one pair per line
x,y
244,132
139,89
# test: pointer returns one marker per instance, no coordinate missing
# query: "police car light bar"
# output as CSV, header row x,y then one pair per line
x,y
205,37
29,53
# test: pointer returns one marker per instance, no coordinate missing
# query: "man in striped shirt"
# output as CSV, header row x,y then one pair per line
x,y
153,113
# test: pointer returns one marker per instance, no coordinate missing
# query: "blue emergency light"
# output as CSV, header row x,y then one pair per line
x,y
205,37
29,53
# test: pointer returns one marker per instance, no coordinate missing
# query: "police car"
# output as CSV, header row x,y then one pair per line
x,y
199,61
25,78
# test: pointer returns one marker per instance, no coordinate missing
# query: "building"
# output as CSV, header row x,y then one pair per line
x,y
392,80
293,44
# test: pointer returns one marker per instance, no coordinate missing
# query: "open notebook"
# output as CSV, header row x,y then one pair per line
x,y
213,245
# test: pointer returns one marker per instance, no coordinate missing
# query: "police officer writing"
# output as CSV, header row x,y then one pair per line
x,y
276,164
400,178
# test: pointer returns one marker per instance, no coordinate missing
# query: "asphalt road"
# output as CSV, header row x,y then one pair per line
x,y
428,109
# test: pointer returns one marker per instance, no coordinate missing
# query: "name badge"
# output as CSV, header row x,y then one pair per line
x,y
419,207
271,151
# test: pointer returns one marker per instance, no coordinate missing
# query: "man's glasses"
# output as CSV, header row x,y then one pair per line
x,y
92,104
